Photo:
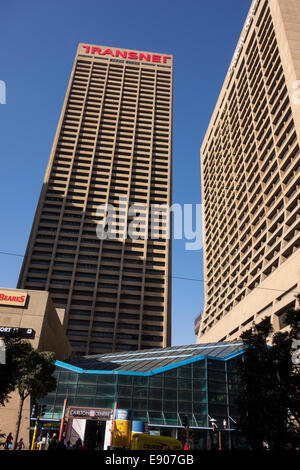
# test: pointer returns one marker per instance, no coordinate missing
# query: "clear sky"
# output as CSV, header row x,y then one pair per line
x,y
39,39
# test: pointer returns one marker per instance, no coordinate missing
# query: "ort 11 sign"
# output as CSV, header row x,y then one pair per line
x,y
15,332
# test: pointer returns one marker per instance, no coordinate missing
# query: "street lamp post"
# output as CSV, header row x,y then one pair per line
x,y
215,426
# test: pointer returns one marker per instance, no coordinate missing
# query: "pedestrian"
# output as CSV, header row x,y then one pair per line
x,y
68,445
61,445
265,445
21,445
8,442
78,445
53,442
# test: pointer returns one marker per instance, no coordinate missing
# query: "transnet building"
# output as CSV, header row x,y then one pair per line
x,y
160,387
112,146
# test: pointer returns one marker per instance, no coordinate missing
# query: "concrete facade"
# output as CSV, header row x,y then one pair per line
x,y
250,163
114,140
39,314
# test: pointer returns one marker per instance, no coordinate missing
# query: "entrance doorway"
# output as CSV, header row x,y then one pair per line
x,y
94,434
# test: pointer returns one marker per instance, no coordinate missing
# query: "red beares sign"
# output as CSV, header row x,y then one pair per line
x,y
133,55
13,298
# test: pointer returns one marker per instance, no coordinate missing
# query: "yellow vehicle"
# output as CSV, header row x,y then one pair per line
x,y
143,441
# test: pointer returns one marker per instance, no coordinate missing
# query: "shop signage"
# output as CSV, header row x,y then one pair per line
x,y
133,55
12,331
90,413
14,299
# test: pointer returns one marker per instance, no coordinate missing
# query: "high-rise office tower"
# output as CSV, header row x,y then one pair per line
x,y
112,146
251,180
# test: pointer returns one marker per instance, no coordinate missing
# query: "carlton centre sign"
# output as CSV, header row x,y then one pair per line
x,y
124,54
13,299
90,413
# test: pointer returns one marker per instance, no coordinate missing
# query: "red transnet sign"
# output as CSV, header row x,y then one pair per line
x,y
133,55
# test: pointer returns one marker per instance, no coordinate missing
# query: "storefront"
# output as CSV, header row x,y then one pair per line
x,y
163,388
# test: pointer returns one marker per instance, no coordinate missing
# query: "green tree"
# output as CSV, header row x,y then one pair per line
x,y
269,404
30,374
8,371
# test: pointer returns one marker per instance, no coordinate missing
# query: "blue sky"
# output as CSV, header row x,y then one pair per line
x,y
38,44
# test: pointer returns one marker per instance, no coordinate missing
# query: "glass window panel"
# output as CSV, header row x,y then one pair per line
x,y
170,406
171,373
233,400
201,420
140,392
139,404
57,412
199,384
199,374
155,405
199,365
217,398
49,400
171,418
185,406
217,410
217,376
87,378
124,391
48,414
125,403
139,380
125,379
185,384
200,408
105,390
140,415
66,389
106,379
170,394
85,401
86,390
233,388
155,393
199,396
72,400
233,411
215,365
234,379
185,395
68,377
59,401
156,381
171,382
185,371
217,386
233,365
104,403
156,417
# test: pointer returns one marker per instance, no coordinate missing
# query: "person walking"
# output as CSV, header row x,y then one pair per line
x,y
53,443
21,445
8,442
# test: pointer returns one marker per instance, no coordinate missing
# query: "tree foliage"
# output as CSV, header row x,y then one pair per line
x,y
28,371
8,371
269,402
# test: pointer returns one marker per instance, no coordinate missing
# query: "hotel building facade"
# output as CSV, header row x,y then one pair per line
x,y
251,180
112,146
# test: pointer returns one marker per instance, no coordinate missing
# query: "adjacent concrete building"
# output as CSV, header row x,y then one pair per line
x,y
112,146
32,310
251,180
